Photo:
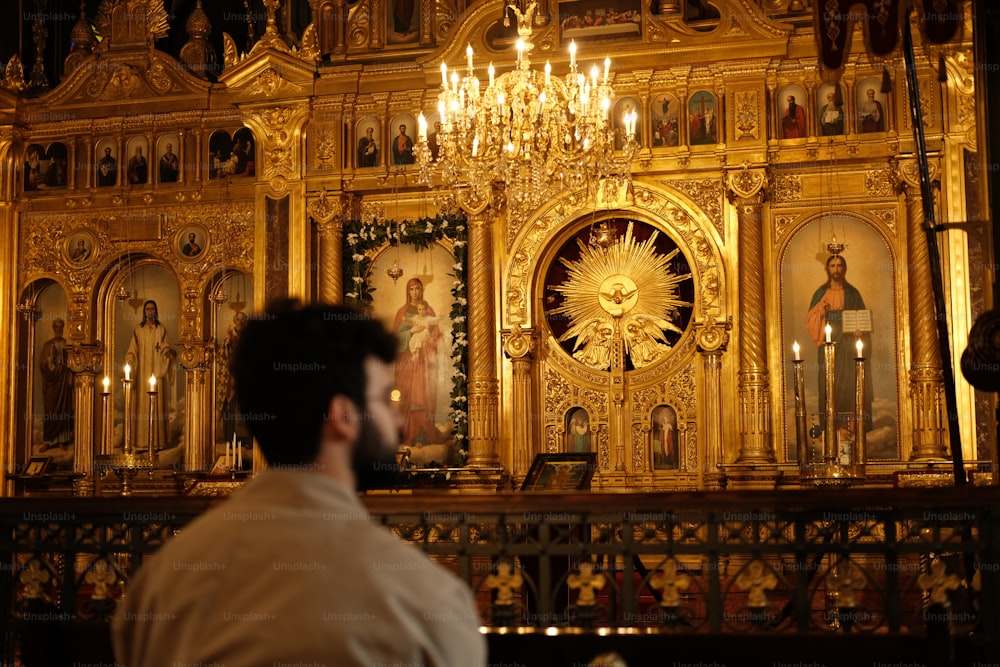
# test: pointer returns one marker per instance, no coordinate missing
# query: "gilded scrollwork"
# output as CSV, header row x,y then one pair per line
x,y
640,443
881,182
324,207
786,188
557,392
603,448
707,193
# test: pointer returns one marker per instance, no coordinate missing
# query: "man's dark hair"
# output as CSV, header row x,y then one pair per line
x,y
290,361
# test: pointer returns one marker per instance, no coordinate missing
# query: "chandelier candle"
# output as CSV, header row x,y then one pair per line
x,y
127,385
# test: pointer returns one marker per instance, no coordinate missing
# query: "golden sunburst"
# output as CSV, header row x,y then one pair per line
x,y
626,290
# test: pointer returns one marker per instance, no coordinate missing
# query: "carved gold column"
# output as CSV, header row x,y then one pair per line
x,y
328,214
196,360
483,384
747,194
519,346
926,374
712,341
86,361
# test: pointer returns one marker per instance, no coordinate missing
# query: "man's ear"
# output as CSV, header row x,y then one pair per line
x,y
343,420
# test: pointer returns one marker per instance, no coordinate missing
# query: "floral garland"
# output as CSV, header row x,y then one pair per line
x,y
361,241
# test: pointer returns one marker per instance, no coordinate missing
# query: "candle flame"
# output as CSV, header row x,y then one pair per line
x,y
795,349
859,345
128,372
107,383
152,383
829,332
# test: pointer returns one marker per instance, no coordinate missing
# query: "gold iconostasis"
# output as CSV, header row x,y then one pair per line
x,y
153,208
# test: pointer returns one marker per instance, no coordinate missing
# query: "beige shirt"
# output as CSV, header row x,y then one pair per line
x,y
292,570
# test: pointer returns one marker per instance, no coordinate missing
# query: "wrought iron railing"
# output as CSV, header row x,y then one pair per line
x,y
880,562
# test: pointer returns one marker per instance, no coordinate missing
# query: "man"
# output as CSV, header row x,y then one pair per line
x,y
191,248
793,124
402,147
827,306
57,390
107,169
367,150
169,166
81,252
831,118
137,170
872,119
291,570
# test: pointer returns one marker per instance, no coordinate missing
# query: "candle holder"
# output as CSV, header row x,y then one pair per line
x,y
829,468
125,467
129,410
109,426
152,428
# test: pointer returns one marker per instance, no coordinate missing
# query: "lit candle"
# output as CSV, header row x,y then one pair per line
x,y
107,385
421,127
593,75
492,73
468,55
860,346
548,72
829,333
239,456
520,49
572,55
152,384
444,75
128,373
858,449
607,67
830,366
454,80
129,410
801,430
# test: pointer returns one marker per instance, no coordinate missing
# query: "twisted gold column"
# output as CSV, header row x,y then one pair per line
x,y
483,384
747,195
328,214
926,375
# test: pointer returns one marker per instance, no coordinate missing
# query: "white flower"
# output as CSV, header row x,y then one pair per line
x,y
352,238
358,257
459,244
459,319
462,301
357,279
457,266
429,229
351,295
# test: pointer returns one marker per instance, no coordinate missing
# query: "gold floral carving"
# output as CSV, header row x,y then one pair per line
x,y
707,193
887,216
557,392
747,114
196,355
230,54
881,182
373,210
553,438
269,82
326,146
599,399
687,433
746,183
713,335
121,82
310,45
781,223
603,448
787,187
640,441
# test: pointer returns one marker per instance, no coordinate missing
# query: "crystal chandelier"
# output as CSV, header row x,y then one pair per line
x,y
528,129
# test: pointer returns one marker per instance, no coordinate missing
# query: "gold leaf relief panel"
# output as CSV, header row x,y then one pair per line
x,y
707,193
640,439
603,448
880,182
557,392
688,437
747,115
786,188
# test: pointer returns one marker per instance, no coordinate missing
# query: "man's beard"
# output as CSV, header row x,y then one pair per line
x,y
374,463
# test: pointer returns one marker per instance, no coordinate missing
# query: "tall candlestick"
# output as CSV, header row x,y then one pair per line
x,y
858,451
801,434
239,455
152,420
829,331
830,434
127,390
108,417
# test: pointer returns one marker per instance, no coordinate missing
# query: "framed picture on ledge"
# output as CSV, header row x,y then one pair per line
x,y
561,472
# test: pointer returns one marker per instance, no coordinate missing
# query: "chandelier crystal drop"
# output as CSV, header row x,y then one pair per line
x,y
527,128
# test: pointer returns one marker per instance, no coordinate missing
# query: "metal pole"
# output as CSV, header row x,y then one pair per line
x,y
930,231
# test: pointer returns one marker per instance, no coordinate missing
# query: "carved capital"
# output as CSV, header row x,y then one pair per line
x,y
325,208
195,356
518,343
908,175
86,358
712,336
747,184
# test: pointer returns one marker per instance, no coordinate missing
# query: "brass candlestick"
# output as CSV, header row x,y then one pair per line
x,y
801,430
152,421
830,434
127,444
858,451
106,445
